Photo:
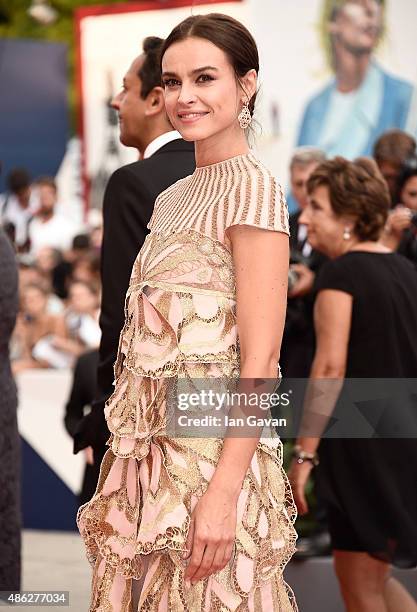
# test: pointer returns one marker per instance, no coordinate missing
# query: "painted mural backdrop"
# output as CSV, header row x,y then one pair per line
x,y
335,73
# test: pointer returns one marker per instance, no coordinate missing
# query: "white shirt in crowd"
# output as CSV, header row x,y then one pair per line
x,y
302,236
58,233
12,212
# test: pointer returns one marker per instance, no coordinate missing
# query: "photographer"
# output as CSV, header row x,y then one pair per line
x,y
298,341
400,232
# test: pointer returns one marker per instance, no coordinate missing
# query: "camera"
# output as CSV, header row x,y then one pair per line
x,y
414,219
293,277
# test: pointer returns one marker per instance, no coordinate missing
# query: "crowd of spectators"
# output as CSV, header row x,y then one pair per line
x,y
59,276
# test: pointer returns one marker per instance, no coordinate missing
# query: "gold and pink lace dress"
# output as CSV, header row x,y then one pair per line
x,y
181,322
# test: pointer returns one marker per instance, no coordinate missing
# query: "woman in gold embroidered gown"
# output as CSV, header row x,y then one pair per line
x,y
200,523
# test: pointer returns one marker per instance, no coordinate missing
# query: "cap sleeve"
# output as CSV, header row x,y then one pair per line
x,y
335,274
261,203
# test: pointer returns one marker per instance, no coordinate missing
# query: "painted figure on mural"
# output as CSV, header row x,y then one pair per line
x,y
362,100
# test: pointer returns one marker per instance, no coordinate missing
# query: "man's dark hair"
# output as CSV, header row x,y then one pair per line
x,y
150,71
81,242
394,146
408,171
18,179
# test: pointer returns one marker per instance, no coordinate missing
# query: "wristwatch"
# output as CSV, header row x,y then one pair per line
x,y
301,455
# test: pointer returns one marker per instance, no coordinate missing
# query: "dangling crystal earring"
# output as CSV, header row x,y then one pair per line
x,y
346,234
244,116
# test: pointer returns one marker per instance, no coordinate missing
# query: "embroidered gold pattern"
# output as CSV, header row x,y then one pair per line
x,y
180,325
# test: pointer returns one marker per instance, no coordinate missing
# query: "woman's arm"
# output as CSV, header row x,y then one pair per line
x,y
261,272
68,345
19,365
62,339
332,322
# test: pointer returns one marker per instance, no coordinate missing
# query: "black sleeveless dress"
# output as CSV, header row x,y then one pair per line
x,y
369,484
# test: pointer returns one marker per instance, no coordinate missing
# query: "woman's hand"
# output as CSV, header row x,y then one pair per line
x,y
67,345
398,220
211,536
89,455
298,476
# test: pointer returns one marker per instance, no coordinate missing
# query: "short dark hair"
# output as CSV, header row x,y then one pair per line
x,y
227,34
150,70
18,179
356,189
81,242
408,171
394,146
47,181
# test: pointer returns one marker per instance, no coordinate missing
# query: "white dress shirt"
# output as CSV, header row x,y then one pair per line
x,y
302,236
159,142
17,215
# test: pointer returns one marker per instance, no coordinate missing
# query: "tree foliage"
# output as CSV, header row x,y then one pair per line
x,y
15,22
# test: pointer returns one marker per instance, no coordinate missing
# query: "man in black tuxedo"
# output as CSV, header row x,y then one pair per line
x,y
127,208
